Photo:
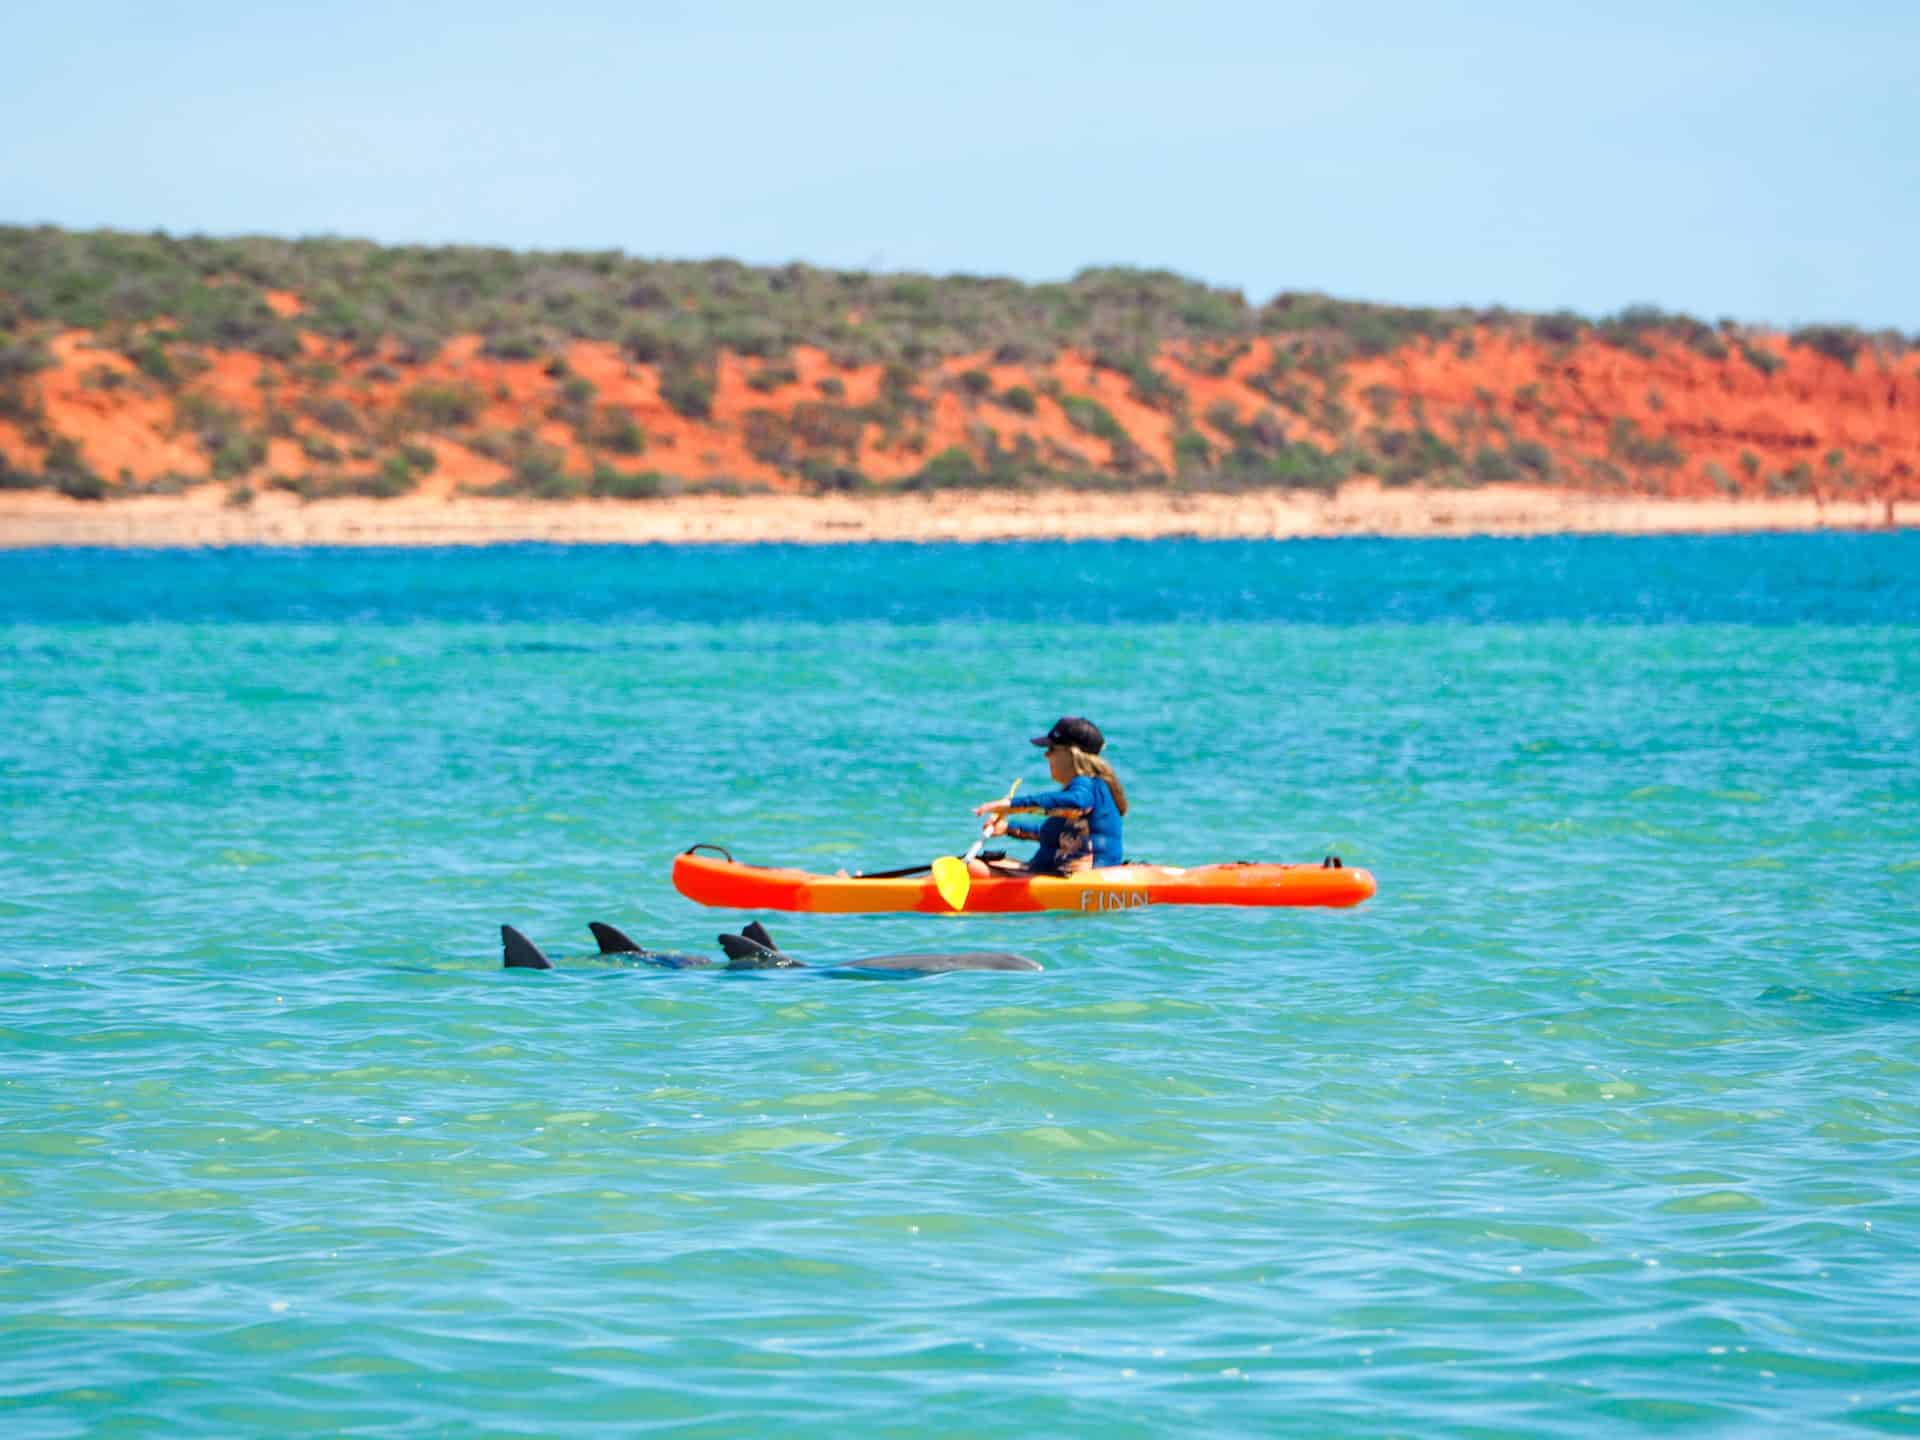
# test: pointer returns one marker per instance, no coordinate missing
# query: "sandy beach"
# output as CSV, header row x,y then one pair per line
x,y
204,518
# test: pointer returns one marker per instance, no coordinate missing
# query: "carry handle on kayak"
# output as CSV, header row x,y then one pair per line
x,y
717,849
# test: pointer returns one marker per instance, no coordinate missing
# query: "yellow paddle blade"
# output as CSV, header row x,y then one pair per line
x,y
951,879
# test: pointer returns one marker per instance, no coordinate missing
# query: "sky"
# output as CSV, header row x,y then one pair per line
x,y
1726,158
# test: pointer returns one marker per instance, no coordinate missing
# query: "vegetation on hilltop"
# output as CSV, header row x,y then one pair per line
x,y
1115,377
214,292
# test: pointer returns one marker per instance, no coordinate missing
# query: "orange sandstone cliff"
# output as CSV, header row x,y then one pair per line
x,y
1482,405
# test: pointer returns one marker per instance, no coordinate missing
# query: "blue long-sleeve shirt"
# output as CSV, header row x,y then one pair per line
x,y
1082,819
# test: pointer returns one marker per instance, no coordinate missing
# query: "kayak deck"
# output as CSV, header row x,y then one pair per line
x,y
726,883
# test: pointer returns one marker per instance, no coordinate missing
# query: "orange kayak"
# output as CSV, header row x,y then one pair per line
x,y
714,880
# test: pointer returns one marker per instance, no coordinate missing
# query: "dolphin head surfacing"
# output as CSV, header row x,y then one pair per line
x,y
755,950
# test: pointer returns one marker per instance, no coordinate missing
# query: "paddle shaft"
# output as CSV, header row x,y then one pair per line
x,y
951,877
986,830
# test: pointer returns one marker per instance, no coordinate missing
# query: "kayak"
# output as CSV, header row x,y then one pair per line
x,y
720,880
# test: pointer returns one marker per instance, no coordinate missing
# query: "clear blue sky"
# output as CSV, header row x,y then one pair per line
x,y
1725,157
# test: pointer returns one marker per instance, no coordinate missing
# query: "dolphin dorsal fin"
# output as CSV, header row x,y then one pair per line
x,y
520,953
757,933
746,954
612,941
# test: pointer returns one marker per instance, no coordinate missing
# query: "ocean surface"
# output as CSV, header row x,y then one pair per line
x,y
1603,1117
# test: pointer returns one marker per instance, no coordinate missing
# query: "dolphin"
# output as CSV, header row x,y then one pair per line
x,y
754,949
520,953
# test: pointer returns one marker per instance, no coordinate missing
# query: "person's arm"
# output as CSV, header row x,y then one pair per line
x,y
1076,796
998,825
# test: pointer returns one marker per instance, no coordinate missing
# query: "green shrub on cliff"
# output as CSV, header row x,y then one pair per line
x,y
1532,456
539,472
1629,330
1307,467
616,430
1698,336
15,476
237,453
391,479
1412,455
1636,327
749,335
443,406
1796,480
1150,387
608,483
811,430
687,391
1191,451
769,378
1628,443
1839,343
20,404
66,470
395,476
228,318
1562,327
824,477
335,412
150,357
1356,327
515,344
768,437
1087,414
1254,464
534,468
955,469
824,427
1491,467
22,356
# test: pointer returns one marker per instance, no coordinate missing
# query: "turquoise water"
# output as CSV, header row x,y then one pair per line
x,y
1603,1116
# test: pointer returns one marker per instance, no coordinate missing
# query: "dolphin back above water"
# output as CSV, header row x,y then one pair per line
x,y
520,953
754,949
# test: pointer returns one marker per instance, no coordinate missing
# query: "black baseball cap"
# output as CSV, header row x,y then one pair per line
x,y
1074,730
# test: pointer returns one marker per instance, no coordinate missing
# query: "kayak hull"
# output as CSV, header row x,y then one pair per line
x,y
728,884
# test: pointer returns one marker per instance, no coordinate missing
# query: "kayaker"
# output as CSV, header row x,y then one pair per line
x,y
1082,829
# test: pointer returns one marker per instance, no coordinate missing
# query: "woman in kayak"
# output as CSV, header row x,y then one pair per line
x,y
1082,829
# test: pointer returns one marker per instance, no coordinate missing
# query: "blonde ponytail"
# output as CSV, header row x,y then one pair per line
x,y
1085,764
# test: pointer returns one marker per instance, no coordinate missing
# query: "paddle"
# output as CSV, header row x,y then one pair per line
x,y
950,875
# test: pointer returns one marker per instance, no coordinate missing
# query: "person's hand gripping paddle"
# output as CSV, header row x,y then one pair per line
x,y
950,874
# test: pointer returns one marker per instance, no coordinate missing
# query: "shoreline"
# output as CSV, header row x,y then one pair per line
x,y
202,518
